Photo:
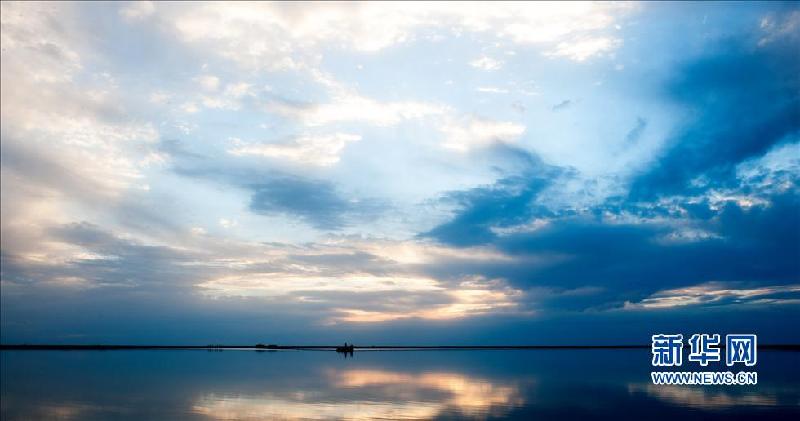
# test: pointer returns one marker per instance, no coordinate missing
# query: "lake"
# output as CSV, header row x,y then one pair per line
x,y
458,384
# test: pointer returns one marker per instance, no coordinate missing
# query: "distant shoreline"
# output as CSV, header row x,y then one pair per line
x,y
64,347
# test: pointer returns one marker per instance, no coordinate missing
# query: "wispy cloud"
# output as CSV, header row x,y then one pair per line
x,y
474,132
719,294
312,149
486,63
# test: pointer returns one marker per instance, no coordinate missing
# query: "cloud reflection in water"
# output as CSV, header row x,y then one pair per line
x,y
361,394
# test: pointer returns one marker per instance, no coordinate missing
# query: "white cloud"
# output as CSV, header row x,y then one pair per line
x,y
352,107
685,235
280,284
190,107
776,28
207,82
528,227
333,276
715,292
46,113
471,132
418,253
71,145
238,90
323,150
291,36
228,223
137,9
772,172
469,300
486,63
159,97
491,90
580,50
229,99
35,48
470,297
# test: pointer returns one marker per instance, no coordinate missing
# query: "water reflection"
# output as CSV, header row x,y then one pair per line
x,y
61,411
199,385
269,407
707,397
371,394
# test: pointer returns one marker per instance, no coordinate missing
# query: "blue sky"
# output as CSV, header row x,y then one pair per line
x,y
399,173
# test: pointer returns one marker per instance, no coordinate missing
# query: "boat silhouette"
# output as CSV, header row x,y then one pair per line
x,y
346,349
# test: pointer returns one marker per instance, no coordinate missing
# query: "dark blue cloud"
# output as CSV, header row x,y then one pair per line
x,y
318,203
744,98
506,203
630,261
562,105
315,202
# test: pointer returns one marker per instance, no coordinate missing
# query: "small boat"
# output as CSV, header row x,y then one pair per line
x,y
346,349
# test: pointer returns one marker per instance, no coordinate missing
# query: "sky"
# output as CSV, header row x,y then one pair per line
x,y
397,173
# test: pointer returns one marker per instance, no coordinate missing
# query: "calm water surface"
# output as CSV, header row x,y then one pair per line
x,y
530,384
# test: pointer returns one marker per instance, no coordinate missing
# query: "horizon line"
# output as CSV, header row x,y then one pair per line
x,y
261,347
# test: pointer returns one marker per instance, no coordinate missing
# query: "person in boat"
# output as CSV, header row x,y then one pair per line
x,y
345,348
